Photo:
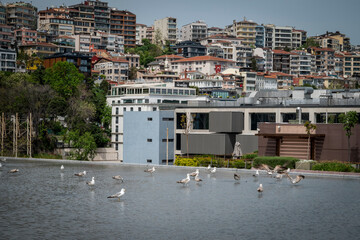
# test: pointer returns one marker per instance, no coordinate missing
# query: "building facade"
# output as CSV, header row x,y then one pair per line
x,y
166,29
123,23
7,60
21,14
194,31
114,69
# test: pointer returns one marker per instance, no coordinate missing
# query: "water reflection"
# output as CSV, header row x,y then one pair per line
x,y
38,204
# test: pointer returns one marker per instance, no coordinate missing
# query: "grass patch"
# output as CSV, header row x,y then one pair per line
x,y
47,156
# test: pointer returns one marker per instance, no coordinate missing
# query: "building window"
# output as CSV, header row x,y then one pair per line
x,y
168,119
131,109
116,128
170,140
124,109
117,120
139,109
117,111
116,137
149,160
149,140
149,119
154,109
116,146
170,161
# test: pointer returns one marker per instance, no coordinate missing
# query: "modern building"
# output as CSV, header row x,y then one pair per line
x,y
324,60
165,29
25,35
65,44
150,34
244,56
2,14
351,65
301,63
214,31
246,30
281,61
298,38
82,62
84,18
189,49
123,23
101,14
56,22
21,14
7,60
194,31
278,37
39,49
114,69
260,36
6,37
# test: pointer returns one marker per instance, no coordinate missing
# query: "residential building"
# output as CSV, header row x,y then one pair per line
x,y
339,64
65,44
221,37
205,64
25,35
40,49
351,65
278,37
328,42
164,63
2,14
21,14
7,60
343,41
284,81
56,22
166,30
265,82
194,31
150,34
281,61
244,55
6,37
189,49
101,14
260,36
214,31
82,62
249,79
298,38
123,23
246,30
84,18
156,76
140,33
267,55
114,69
300,63
324,60
133,59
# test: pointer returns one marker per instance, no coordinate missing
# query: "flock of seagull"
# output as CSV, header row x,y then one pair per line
x,y
278,172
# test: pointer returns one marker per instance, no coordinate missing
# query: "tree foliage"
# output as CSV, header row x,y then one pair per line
x,y
349,119
84,145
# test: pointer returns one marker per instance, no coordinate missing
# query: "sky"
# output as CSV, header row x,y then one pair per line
x,y
314,16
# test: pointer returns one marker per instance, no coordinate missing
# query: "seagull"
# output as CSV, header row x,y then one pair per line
x,y
118,195
213,170
281,169
118,177
260,188
197,179
0,165
296,180
3,160
92,182
278,176
13,170
150,170
193,174
62,167
236,176
209,168
185,180
256,174
266,168
80,174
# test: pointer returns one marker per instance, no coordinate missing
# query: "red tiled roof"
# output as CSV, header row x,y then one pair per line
x,y
280,52
170,56
323,49
203,58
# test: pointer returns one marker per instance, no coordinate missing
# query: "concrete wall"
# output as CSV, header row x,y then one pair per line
x,y
106,154
249,143
226,122
217,144
138,130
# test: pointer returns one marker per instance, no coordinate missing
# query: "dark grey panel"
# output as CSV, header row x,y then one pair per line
x,y
226,122
249,143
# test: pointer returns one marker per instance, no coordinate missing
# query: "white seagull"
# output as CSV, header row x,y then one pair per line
x,y
80,174
118,177
236,176
185,180
256,173
209,168
92,182
260,188
13,170
150,170
213,170
197,179
62,167
193,174
296,180
118,195
0,165
279,176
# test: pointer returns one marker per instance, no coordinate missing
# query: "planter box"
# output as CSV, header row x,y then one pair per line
x,y
304,165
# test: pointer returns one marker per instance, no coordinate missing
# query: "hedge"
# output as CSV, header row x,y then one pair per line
x,y
204,161
333,166
273,161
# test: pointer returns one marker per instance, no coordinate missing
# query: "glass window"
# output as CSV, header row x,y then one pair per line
x,y
200,120
257,118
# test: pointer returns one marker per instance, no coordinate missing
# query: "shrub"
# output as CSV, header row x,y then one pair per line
x,y
273,161
249,156
47,156
333,166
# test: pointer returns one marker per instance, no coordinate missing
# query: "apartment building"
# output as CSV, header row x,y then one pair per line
x,y
6,36
260,36
265,82
39,49
281,61
205,64
150,34
21,14
298,38
328,42
301,63
189,49
82,62
25,35
351,65
214,31
194,31
101,14
246,30
123,23
324,60
7,60
2,14
140,33
343,41
114,69
278,37
56,22
166,28
66,44
243,54
84,18
339,64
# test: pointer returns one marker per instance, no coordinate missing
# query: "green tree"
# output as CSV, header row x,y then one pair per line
x,y
254,64
309,128
310,42
64,78
349,119
84,145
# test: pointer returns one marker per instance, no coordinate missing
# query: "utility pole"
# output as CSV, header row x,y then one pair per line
x,y
2,133
28,134
167,146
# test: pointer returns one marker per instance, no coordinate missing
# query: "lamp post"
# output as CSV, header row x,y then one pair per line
x,y
298,110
